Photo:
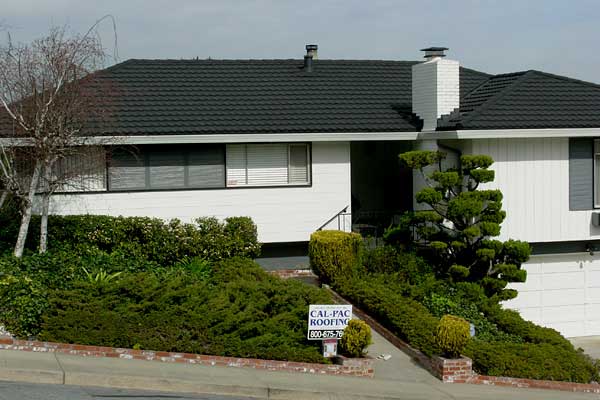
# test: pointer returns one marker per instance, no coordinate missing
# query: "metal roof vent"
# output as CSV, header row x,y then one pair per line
x,y
311,50
434,52
311,54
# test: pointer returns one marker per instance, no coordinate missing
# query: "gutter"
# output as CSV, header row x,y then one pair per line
x,y
511,133
237,138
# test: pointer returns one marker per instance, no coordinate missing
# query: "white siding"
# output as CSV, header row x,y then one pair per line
x,y
533,175
561,292
282,214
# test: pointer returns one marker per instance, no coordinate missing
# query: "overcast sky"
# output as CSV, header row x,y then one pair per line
x,y
558,36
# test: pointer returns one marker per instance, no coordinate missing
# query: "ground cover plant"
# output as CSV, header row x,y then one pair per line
x,y
143,283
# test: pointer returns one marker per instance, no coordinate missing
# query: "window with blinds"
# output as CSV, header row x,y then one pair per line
x,y
277,164
167,167
83,169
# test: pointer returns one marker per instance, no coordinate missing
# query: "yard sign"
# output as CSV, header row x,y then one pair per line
x,y
328,321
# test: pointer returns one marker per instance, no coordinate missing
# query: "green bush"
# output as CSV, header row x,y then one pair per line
x,y
142,237
531,361
335,254
356,338
239,311
452,335
406,318
512,323
23,300
441,304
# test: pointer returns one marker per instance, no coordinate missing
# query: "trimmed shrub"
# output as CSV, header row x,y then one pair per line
x,y
149,238
239,311
452,335
406,318
356,338
531,361
335,254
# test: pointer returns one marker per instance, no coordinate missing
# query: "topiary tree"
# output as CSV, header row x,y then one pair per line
x,y
461,218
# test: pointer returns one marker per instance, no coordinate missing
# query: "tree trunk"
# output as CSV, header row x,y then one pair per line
x,y
45,207
27,210
3,198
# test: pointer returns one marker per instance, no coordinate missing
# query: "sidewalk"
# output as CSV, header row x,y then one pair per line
x,y
136,374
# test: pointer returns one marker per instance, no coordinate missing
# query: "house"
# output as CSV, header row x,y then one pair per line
x,y
300,145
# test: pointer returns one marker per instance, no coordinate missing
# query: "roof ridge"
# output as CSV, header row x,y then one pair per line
x,y
190,60
566,78
488,103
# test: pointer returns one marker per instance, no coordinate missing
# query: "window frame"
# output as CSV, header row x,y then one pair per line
x,y
145,161
288,145
144,155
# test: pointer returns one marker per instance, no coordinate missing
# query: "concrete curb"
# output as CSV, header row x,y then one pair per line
x,y
174,385
32,376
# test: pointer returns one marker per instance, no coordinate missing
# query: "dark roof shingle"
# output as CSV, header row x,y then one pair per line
x,y
262,96
528,100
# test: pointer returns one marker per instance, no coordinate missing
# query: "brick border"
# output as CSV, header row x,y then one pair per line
x,y
461,370
360,367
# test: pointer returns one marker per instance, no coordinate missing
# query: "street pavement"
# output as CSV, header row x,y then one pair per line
x,y
407,383
36,391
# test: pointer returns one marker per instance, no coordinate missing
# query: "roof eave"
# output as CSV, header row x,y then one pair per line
x,y
510,133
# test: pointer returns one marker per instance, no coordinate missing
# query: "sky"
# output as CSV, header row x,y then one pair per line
x,y
557,36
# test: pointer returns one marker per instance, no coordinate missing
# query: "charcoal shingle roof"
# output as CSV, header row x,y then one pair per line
x,y
263,96
528,100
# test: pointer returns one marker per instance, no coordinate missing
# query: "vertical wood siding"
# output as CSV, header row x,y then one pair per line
x,y
533,175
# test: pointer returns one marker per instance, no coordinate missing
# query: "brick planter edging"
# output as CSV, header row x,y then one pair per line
x,y
362,367
461,370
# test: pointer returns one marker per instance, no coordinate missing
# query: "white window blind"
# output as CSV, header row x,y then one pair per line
x,y
236,165
267,164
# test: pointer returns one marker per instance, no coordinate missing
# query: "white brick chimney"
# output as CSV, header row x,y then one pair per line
x,y
435,87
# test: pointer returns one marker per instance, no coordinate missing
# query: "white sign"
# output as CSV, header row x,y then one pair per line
x,y
328,321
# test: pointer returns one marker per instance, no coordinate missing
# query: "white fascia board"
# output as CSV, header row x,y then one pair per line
x,y
263,137
511,133
242,138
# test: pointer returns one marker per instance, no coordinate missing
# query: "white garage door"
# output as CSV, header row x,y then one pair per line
x,y
561,292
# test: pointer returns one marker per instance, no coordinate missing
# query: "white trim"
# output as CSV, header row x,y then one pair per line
x,y
510,133
256,138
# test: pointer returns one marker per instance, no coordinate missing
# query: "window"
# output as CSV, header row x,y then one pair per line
x,y
268,164
167,167
83,169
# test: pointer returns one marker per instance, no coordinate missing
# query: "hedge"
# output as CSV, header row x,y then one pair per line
x,y
531,361
406,318
142,237
334,253
239,310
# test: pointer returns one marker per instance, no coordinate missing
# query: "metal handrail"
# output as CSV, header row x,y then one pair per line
x,y
337,215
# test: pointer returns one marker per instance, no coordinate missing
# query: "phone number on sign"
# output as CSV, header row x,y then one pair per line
x,y
325,334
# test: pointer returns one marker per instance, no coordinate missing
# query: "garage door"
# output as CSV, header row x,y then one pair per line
x,y
561,292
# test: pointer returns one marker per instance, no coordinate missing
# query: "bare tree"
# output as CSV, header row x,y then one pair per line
x,y
51,99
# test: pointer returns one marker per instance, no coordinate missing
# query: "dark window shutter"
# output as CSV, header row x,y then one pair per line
x,y
581,175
